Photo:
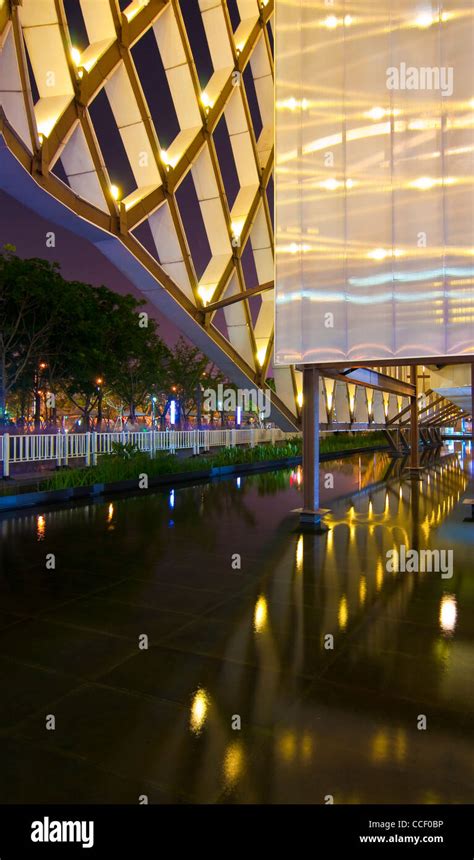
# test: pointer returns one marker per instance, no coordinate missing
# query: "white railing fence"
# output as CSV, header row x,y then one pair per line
x,y
63,447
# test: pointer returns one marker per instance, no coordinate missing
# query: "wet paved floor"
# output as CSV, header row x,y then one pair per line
x,y
248,646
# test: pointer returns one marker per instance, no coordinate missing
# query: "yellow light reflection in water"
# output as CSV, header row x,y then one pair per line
x,y
287,746
379,575
307,747
448,613
299,554
40,527
362,590
110,514
260,614
343,613
401,745
380,746
233,763
199,710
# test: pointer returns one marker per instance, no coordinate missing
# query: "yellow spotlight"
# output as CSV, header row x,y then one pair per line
x,y
76,56
206,292
237,227
299,399
165,158
330,22
206,101
115,191
261,354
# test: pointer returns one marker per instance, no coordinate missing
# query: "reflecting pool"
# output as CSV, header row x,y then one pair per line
x,y
195,645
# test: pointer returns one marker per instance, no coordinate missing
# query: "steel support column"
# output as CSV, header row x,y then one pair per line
x,y
472,409
311,513
414,432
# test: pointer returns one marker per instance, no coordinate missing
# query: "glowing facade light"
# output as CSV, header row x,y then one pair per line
x,y
376,113
115,192
367,117
206,101
76,56
261,355
424,20
424,183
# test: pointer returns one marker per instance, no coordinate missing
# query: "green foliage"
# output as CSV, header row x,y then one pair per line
x,y
130,463
126,451
30,302
88,341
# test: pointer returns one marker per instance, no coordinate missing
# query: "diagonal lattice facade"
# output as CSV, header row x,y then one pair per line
x,y
52,84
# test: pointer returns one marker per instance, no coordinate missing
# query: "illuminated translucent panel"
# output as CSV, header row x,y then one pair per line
x,y
374,173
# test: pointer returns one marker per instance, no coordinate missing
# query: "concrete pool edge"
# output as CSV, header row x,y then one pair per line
x,y
37,498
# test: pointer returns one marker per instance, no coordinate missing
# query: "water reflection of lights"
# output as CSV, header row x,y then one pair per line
x,y
287,746
401,745
362,590
299,554
343,613
40,527
296,477
199,710
233,763
260,614
307,747
110,513
379,575
380,746
448,613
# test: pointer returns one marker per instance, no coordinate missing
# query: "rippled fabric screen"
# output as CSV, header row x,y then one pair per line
x,y
374,172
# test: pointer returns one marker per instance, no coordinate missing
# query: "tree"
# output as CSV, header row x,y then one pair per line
x,y
29,298
190,371
141,358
